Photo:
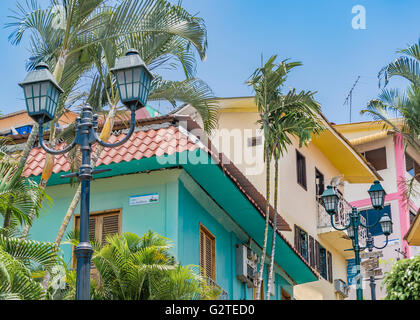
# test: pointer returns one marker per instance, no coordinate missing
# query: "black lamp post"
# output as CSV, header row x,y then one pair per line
x,y
42,94
377,195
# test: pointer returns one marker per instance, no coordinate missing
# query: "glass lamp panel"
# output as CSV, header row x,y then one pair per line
x,y
128,76
43,103
29,98
130,90
136,88
36,104
120,78
142,88
35,89
28,91
123,92
136,75
44,88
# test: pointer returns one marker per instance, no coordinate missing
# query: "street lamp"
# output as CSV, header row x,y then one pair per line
x,y
377,196
42,94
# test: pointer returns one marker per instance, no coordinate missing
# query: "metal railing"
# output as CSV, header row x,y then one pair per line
x,y
223,295
341,218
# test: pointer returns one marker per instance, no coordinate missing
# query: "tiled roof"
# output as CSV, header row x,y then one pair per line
x,y
142,144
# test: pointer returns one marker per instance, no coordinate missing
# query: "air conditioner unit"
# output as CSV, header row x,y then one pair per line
x,y
341,287
246,265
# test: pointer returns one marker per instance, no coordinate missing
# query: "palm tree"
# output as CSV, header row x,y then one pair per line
x,y
139,268
164,33
406,104
17,257
281,116
393,102
66,34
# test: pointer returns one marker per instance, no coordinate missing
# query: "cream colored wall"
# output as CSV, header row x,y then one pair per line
x,y
297,205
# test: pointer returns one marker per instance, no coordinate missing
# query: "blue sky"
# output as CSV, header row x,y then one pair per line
x,y
318,33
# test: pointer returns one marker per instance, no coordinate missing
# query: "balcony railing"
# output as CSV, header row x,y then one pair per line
x,y
341,218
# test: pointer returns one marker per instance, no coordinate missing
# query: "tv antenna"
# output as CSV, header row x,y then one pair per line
x,y
349,97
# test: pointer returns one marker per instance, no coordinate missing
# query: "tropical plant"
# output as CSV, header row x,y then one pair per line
x,y
282,116
18,196
130,267
17,258
403,281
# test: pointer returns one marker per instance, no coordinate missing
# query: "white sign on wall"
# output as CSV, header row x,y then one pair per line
x,y
144,199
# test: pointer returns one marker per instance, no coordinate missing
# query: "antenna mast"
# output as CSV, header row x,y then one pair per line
x,y
349,97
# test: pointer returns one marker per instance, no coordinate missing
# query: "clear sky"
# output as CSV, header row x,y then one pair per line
x,y
318,33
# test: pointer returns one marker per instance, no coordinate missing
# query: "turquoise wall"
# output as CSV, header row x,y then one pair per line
x,y
191,215
177,216
114,193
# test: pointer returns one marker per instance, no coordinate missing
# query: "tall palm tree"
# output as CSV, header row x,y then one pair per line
x,y
139,268
281,116
164,33
65,35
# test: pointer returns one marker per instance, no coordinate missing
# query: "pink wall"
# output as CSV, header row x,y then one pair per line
x,y
401,187
404,214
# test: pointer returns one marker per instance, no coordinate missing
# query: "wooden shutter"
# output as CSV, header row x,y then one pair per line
x,y
311,252
208,253
317,257
110,225
101,224
329,267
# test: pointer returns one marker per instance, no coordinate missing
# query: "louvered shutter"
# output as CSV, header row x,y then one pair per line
x,y
311,252
317,257
329,266
110,225
92,229
208,253
202,244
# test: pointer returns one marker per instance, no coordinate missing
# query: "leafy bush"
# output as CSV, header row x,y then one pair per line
x,y
403,281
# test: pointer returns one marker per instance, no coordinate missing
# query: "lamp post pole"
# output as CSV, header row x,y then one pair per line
x,y
355,222
42,94
377,194
372,283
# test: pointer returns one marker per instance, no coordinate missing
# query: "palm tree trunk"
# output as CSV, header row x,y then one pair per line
x,y
273,248
267,217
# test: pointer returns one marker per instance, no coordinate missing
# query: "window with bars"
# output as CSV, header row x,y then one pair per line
x,y
101,224
322,261
207,253
301,169
301,242
412,167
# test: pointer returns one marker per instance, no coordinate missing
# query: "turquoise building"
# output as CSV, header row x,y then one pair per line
x,y
166,179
